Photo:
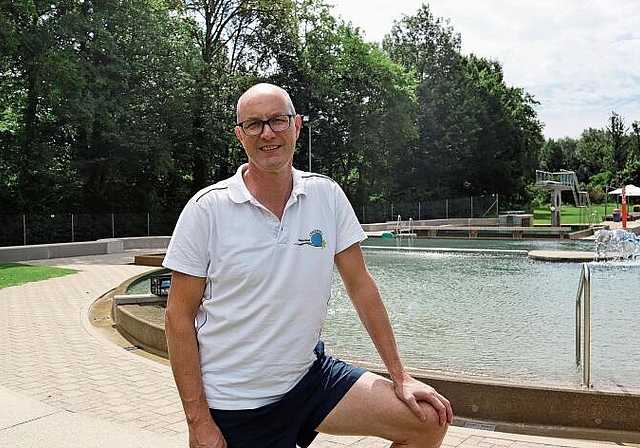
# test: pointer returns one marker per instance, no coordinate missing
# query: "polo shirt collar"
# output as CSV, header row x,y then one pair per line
x,y
239,193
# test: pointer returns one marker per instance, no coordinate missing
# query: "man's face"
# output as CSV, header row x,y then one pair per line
x,y
269,151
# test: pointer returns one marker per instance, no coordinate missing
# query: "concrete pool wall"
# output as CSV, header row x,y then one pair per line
x,y
133,323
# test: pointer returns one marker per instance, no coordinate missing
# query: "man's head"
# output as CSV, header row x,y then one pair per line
x,y
268,127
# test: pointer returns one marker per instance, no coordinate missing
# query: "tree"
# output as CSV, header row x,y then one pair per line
x,y
504,153
476,135
126,107
617,130
428,47
238,41
362,106
636,130
552,156
34,44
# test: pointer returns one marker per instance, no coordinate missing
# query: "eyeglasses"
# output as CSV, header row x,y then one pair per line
x,y
278,123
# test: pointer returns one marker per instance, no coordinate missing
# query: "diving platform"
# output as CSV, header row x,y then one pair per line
x,y
557,182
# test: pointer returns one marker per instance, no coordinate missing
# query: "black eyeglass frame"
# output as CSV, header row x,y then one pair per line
x,y
263,122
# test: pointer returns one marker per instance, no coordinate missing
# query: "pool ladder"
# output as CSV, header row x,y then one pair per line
x,y
583,316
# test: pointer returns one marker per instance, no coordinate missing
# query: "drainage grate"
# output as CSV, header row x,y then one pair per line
x,y
130,348
477,425
101,318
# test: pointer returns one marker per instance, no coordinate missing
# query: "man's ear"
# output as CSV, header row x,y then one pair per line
x,y
239,134
298,124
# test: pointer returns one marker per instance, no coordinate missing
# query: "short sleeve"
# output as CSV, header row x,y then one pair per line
x,y
349,230
188,250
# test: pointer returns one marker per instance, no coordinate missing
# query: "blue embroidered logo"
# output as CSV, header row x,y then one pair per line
x,y
315,240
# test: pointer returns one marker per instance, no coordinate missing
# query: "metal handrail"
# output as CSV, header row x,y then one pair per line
x,y
583,313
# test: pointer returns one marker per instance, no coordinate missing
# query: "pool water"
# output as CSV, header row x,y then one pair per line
x,y
498,315
492,314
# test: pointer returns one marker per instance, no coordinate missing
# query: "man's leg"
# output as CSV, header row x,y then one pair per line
x,y
371,408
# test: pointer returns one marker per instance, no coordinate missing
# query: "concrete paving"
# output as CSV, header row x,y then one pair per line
x,y
64,384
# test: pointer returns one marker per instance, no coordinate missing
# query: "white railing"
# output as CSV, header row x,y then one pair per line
x,y
564,178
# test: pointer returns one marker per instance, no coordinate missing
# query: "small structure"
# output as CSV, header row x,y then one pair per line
x,y
515,219
557,182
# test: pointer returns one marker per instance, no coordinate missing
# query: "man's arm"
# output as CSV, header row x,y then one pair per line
x,y
364,294
184,300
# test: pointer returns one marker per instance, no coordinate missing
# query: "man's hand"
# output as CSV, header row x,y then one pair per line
x,y
206,435
411,391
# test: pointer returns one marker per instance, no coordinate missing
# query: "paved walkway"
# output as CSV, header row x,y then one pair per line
x,y
64,384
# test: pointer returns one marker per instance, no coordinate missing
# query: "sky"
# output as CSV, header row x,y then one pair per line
x,y
579,58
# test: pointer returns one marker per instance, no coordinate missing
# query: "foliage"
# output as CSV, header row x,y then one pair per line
x,y
111,106
603,159
239,41
477,136
361,107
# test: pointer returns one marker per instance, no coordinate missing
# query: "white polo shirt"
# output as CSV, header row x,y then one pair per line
x,y
268,282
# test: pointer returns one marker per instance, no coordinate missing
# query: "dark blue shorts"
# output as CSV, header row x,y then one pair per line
x,y
292,419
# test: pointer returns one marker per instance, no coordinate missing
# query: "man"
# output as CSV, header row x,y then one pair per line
x,y
252,260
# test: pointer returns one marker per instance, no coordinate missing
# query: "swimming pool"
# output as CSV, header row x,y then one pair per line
x,y
496,314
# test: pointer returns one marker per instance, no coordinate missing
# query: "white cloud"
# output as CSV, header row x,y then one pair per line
x,y
579,58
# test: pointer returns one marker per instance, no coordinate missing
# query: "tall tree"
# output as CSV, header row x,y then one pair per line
x,y
362,106
477,135
96,89
32,60
133,62
429,47
617,131
237,41
505,152
636,131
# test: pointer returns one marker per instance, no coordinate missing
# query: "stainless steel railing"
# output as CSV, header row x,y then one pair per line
x,y
583,316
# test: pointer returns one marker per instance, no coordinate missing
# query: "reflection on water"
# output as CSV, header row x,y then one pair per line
x,y
501,315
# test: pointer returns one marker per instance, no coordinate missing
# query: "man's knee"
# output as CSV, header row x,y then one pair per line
x,y
426,434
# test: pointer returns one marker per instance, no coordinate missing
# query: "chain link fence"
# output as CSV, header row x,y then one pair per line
x,y
17,230
467,207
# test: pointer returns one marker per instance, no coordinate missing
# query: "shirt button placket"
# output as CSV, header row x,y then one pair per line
x,y
282,232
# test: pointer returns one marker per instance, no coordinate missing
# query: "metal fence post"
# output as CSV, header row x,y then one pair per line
x,y
72,233
148,225
113,226
24,229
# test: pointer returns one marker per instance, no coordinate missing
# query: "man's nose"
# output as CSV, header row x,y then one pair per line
x,y
267,132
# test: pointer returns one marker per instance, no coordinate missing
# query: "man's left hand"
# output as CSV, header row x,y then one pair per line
x,y
412,391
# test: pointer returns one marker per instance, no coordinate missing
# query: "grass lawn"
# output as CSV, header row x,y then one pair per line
x,y
574,215
12,274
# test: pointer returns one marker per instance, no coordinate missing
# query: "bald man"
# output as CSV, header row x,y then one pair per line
x,y
252,259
